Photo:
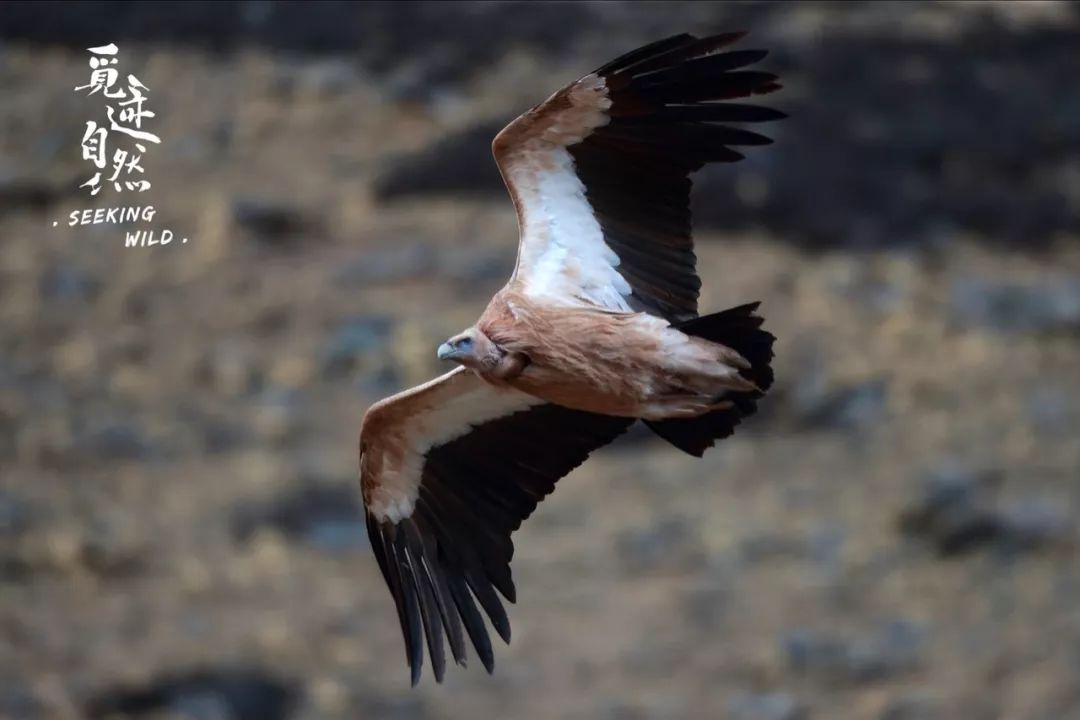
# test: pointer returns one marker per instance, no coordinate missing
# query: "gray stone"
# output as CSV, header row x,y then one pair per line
x,y
892,649
954,512
329,517
1033,524
959,512
231,368
912,707
120,441
67,284
16,515
765,706
853,407
355,337
277,413
212,693
269,221
1054,410
394,263
671,542
1007,307
19,192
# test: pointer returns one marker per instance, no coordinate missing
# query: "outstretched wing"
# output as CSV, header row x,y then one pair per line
x,y
448,471
599,173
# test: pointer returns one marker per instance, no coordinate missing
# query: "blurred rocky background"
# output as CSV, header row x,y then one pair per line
x,y
894,537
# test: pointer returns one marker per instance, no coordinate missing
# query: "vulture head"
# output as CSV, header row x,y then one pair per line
x,y
473,349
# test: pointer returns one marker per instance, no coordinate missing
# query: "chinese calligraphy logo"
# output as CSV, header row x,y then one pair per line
x,y
116,147
125,111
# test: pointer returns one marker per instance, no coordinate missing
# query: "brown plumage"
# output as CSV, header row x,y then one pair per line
x,y
613,363
596,328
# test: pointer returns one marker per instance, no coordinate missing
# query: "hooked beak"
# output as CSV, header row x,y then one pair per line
x,y
446,351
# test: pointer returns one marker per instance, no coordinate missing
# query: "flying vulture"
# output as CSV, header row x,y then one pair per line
x,y
597,328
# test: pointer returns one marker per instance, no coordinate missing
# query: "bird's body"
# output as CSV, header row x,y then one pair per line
x,y
613,363
596,329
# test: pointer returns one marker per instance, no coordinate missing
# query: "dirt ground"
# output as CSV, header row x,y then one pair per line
x,y
893,537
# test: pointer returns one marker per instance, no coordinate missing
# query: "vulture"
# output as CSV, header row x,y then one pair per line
x,y
597,328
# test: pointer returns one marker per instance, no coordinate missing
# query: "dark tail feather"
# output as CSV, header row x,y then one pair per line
x,y
739,329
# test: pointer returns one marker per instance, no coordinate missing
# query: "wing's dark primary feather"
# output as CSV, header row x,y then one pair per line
x,y
665,124
454,551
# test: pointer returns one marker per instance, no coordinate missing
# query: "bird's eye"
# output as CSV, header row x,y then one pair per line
x,y
464,343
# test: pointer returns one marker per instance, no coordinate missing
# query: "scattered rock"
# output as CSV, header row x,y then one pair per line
x,y
823,545
706,607
456,164
330,76
1009,307
1053,410
271,222
479,267
855,407
1033,524
954,512
669,544
140,302
217,431
376,705
959,512
892,649
220,435
231,368
211,694
768,546
351,341
28,193
110,555
270,320
765,706
912,707
64,283
328,517
866,289
15,521
809,651
384,380
395,263
16,515
120,440
896,648
276,414
64,550
18,703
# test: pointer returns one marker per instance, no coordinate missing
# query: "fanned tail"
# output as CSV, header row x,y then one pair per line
x,y
739,329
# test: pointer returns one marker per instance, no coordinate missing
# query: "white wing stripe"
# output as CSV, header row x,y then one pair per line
x,y
563,256
461,402
576,248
